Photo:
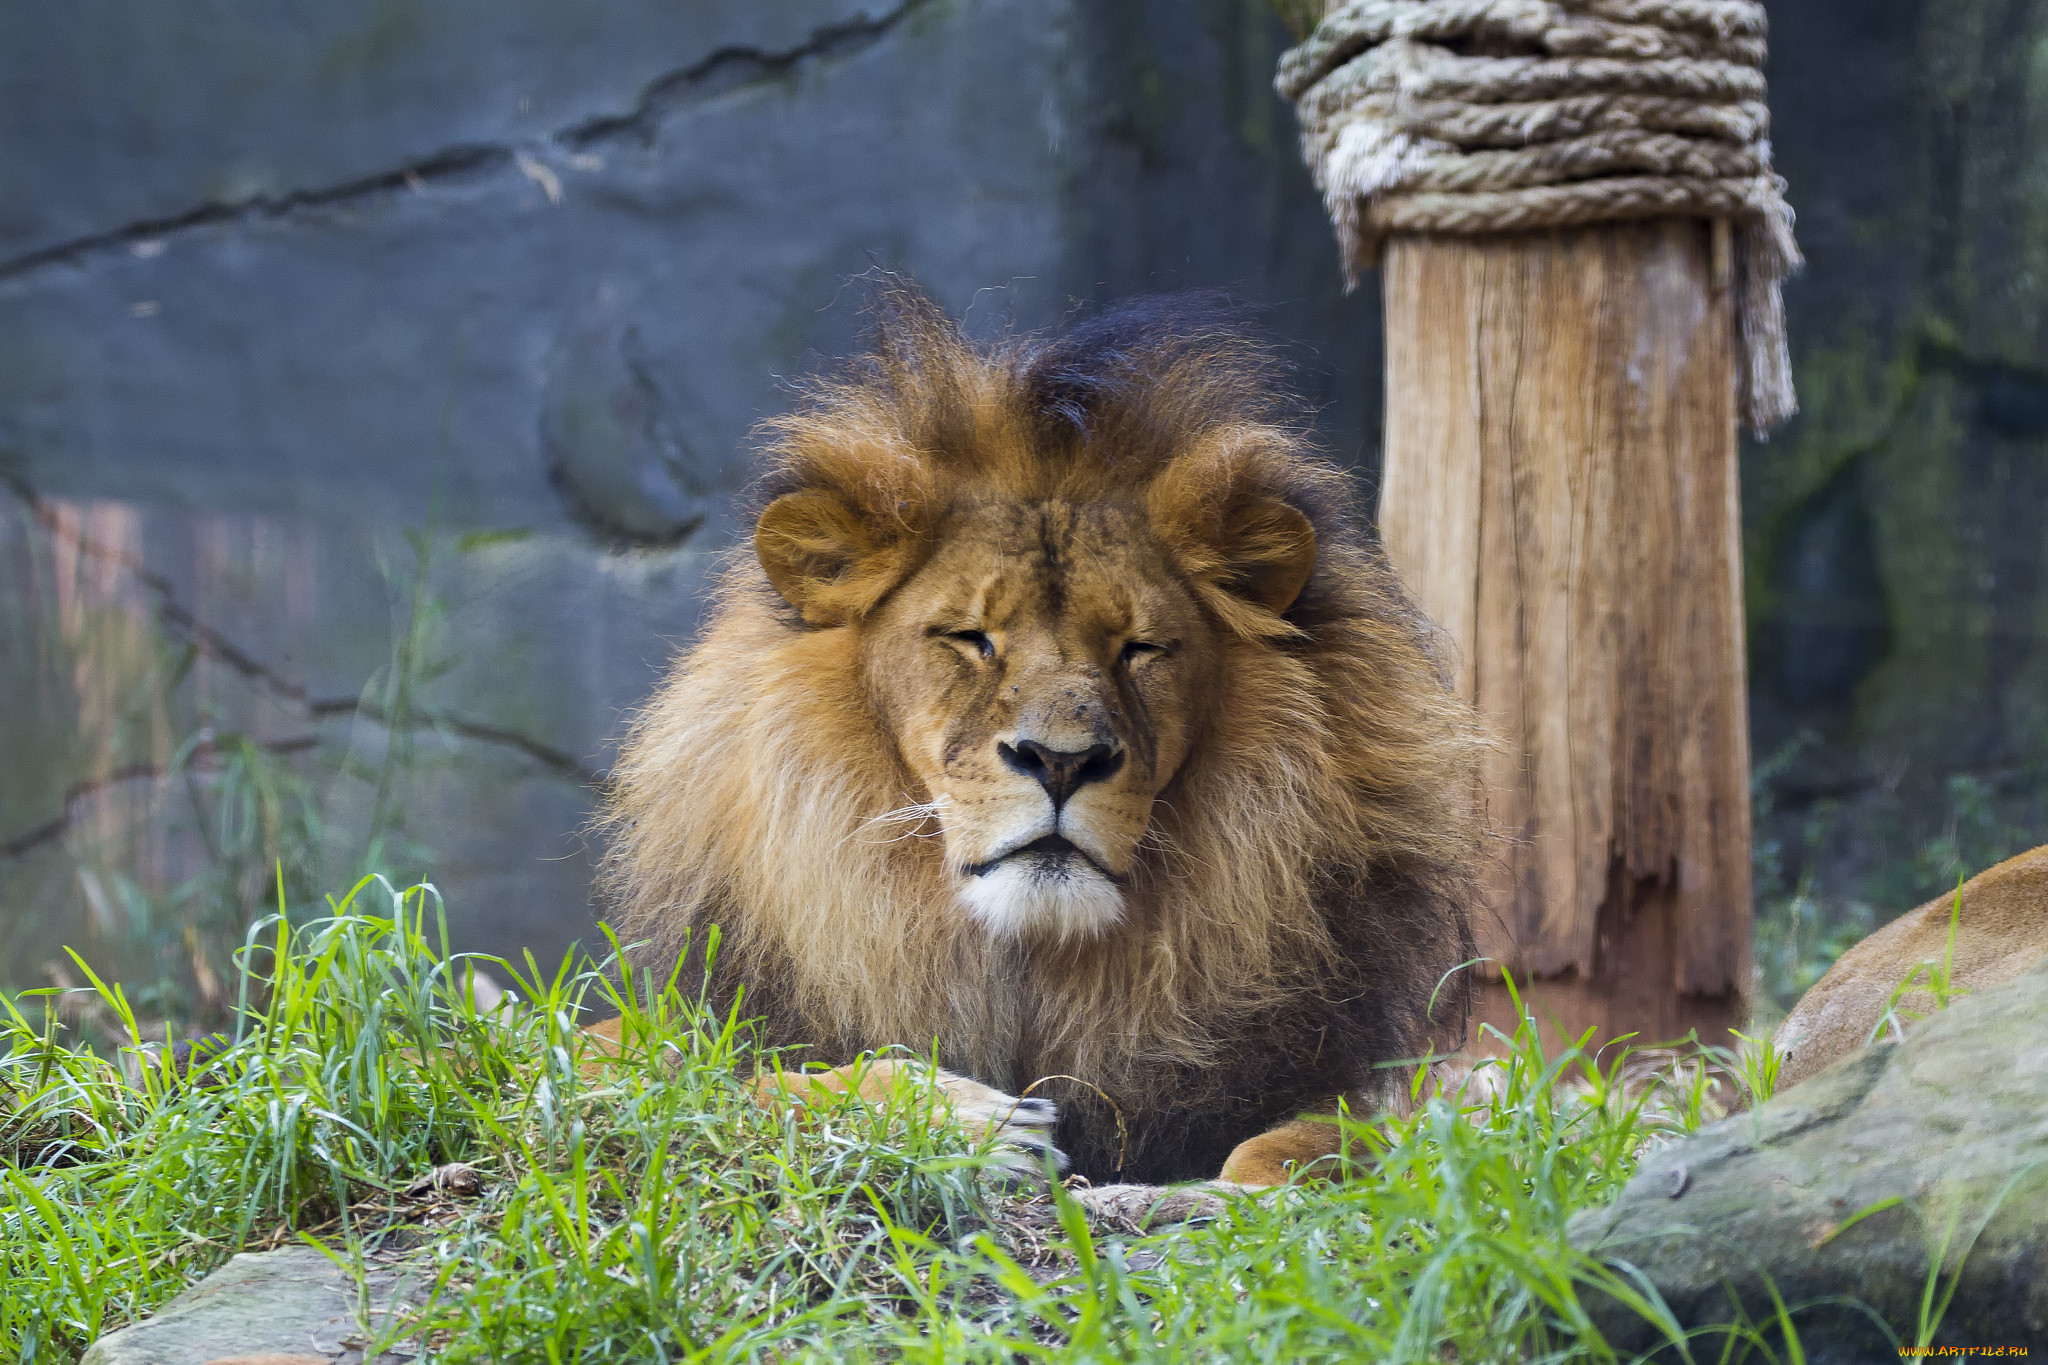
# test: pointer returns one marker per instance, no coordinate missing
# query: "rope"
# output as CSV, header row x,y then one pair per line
x,y
1478,116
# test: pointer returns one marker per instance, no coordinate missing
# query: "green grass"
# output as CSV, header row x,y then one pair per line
x,y
649,1210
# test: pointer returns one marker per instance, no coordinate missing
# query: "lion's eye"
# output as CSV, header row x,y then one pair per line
x,y
1138,649
974,640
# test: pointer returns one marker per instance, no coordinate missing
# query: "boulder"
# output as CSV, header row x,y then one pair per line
x,y
292,1306
1940,1142
2000,919
295,1306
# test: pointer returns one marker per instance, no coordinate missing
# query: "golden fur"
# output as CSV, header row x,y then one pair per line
x,y
1242,878
2001,929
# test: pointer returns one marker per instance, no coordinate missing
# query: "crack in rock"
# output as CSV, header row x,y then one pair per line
x,y
559,760
55,828
179,622
728,68
450,163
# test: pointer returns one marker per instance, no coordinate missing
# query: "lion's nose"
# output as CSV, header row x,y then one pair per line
x,y
1062,772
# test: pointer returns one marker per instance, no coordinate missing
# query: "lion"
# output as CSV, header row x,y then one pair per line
x,y
2000,929
1065,724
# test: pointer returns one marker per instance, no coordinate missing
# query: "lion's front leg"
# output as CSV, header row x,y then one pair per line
x,y
1022,1128
1276,1155
1279,1154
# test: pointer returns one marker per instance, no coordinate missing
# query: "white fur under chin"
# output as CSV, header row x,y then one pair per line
x,y
1029,896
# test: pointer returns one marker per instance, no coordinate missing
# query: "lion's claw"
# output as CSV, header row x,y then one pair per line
x,y
1036,1112
1022,1128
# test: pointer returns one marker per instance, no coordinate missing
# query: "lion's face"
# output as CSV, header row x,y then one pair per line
x,y
1040,674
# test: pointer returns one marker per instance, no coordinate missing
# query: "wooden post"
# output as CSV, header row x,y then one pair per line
x,y
1559,491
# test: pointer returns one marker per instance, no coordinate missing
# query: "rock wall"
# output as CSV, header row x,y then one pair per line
x,y
375,381
1898,562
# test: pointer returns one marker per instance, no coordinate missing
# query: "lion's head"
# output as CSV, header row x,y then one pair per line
x,y
1044,673
1061,716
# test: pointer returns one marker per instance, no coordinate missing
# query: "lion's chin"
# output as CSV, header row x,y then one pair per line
x,y
1031,896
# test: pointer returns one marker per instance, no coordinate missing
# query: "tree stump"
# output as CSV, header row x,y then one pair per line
x,y
1560,493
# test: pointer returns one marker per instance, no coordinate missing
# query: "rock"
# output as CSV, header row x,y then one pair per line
x,y
1149,1208
292,1306
286,286
1944,1135
456,1178
611,446
2001,930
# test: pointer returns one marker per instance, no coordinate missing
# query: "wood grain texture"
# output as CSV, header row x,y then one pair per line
x,y
1559,492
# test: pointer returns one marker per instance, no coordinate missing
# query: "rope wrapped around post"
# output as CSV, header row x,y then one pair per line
x,y
1477,116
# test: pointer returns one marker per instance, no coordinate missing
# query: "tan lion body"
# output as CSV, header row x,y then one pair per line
x,y
2000,931
1062,720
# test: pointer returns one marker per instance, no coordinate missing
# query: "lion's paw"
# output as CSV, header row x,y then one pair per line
x,y
1022,1128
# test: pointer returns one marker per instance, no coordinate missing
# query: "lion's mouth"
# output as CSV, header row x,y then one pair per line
x,y
1048,852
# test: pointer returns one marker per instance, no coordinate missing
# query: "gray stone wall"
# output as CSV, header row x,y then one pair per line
x,y
375,382
1897,532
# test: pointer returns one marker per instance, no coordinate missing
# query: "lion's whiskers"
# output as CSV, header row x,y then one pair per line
x,y
922,818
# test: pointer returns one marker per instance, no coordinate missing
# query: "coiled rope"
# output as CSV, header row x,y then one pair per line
x,y
1479,116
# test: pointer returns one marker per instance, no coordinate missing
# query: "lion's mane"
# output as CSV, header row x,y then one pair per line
x,y
1303,886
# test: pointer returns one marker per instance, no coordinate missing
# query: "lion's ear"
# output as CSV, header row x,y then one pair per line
x,y
1268,551
1251,552
824,558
